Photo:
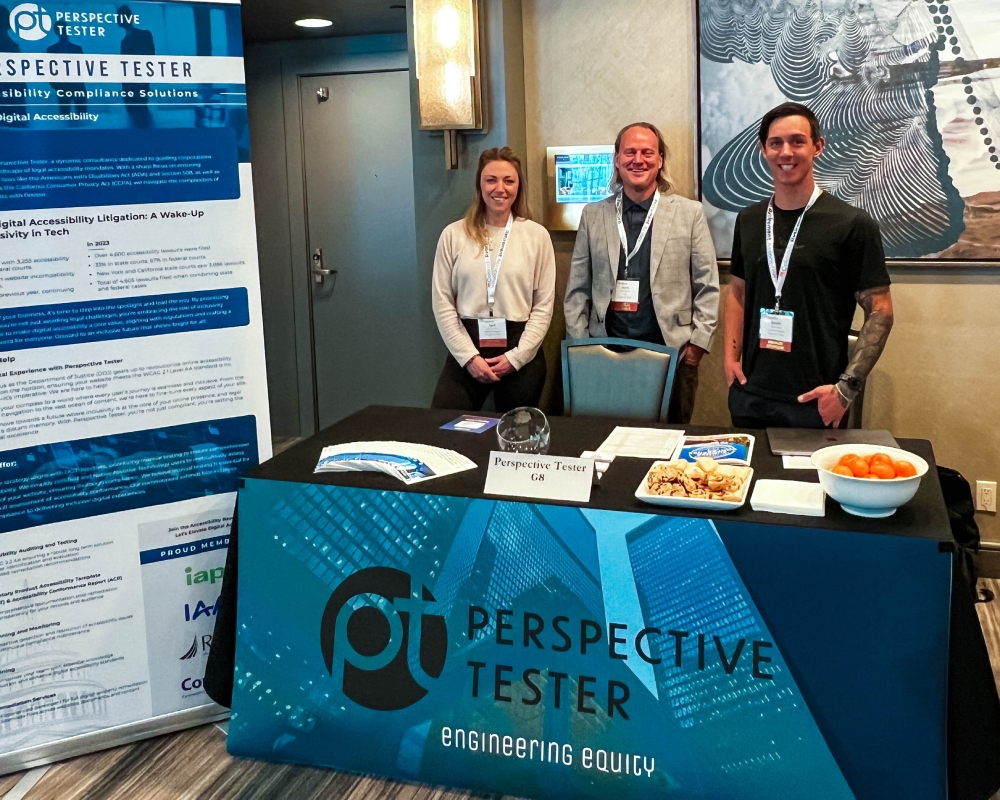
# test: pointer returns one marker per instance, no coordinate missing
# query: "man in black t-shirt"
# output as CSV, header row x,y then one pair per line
x,y
788,317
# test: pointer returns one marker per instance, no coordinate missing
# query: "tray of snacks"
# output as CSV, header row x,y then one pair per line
x,y
706,484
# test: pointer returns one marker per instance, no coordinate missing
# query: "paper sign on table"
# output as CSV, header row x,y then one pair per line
x,y
540,477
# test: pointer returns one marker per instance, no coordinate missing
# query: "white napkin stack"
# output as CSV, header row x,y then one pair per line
x,y
789,497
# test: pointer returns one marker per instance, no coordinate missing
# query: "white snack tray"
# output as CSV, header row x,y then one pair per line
x,y
642,493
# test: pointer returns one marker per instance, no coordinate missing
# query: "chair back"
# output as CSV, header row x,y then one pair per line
x,y
599,382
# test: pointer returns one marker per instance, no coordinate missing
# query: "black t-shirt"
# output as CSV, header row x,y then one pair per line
x,y
838,253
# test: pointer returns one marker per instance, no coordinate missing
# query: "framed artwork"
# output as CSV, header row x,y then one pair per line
x,y
906,92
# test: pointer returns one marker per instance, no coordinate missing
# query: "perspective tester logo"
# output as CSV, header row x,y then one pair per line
x,y
31,22
376,645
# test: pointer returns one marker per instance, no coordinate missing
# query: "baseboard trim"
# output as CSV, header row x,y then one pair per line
x,y
988,560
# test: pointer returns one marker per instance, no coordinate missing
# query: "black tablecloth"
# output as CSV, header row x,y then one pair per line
x,y
973,707
923,517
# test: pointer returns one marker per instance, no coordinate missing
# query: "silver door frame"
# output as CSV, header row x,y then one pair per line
x,y
293,71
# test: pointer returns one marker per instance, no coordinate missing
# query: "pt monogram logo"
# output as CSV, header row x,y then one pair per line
x,y
377,642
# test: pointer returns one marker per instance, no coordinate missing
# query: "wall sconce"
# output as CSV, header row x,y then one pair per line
x,y
446,44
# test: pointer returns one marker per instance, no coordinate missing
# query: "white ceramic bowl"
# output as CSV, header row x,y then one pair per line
x,y
862,496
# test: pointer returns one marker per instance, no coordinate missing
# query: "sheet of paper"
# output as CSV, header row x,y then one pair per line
x,y
641,443
797,462
410,463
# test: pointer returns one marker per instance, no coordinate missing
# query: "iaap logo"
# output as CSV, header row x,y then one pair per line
x,y
376,644
31,22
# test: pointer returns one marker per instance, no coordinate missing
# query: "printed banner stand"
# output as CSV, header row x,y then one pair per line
x,y
132,384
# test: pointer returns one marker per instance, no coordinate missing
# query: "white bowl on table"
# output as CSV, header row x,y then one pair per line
x,y
865,497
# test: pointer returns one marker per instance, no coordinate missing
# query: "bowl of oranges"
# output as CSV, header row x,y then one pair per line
x,y
867,480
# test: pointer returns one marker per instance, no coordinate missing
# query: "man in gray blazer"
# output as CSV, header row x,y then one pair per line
x,y
662,289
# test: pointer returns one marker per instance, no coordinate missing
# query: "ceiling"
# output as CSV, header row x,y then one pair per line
x,y
274,20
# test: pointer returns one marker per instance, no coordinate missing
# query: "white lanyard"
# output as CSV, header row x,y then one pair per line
x,y
493,270
642,234
778,278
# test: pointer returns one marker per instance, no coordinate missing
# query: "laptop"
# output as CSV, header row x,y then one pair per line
x,y
806,441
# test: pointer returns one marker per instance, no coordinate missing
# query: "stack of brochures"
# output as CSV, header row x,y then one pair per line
x,y
410,463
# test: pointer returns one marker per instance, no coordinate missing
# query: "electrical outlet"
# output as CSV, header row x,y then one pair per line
x,y
986,496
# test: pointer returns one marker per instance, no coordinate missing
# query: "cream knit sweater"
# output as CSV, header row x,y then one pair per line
x,y
525,290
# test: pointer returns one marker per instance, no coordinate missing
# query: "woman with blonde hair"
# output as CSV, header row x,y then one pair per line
x,y
493,293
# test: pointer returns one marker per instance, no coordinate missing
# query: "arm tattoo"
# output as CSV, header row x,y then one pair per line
x,y
877,305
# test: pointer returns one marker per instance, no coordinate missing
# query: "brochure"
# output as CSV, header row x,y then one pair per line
x,y
470,424
410,463
726,448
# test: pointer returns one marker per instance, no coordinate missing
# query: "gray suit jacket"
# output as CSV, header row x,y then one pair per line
x,y
684,272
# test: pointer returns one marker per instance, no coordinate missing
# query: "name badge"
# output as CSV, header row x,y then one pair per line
x,y
776,330
626,296
492,332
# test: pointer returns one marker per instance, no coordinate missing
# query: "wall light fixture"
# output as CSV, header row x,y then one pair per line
x,y
446,43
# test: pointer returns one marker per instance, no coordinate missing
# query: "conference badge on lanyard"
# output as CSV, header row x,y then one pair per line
x,y
777,326
493,331
626,294
776,330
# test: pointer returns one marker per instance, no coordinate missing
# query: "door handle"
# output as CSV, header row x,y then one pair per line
x,y
319,273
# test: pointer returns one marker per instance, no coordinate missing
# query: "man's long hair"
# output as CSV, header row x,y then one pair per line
x,y
663,180
475,217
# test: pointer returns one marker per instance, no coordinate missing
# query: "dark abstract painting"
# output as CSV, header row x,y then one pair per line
x,y
906,93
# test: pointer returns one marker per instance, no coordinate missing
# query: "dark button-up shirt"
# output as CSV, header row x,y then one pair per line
x,y
641,324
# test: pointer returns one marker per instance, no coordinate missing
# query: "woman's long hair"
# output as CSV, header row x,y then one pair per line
x,y
475,217
663,181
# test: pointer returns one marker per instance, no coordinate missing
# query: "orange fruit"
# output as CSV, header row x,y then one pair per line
x,y
859,467
879,458
882,471
841,469
904,469
846,459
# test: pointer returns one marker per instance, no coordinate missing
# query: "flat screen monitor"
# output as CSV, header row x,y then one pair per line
x,y
583,177
577,176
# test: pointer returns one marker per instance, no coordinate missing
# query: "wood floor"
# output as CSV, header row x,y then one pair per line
x,y
194,764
